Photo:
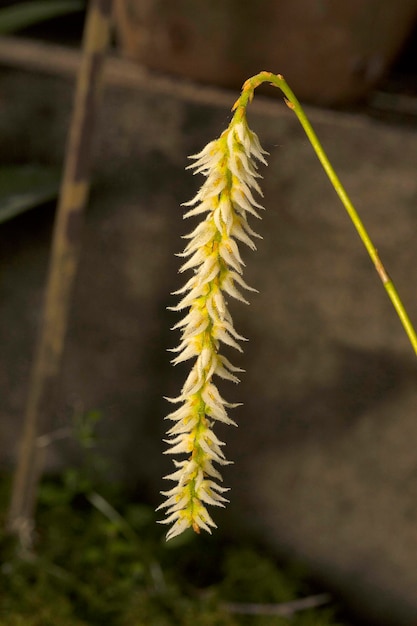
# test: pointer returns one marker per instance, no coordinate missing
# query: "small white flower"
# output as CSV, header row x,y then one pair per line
x,y
212,253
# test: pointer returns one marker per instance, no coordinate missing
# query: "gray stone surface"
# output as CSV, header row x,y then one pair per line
x,y
325,453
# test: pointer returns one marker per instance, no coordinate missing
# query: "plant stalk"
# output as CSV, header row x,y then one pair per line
x,y
278,81
63,264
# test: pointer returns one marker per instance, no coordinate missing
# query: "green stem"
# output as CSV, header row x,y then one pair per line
x,y
278,81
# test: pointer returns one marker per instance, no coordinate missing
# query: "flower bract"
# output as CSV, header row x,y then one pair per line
x,y
224,202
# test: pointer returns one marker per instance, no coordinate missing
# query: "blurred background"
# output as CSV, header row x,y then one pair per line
x,y
325,463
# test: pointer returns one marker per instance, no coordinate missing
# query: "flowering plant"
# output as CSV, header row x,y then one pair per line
x,y
230,165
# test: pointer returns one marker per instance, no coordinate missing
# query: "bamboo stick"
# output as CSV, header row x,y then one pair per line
x,y
62,269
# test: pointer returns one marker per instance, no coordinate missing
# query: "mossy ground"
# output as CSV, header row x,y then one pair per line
x,y
101,560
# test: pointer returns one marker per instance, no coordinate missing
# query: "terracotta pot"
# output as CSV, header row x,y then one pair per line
x,y
330,51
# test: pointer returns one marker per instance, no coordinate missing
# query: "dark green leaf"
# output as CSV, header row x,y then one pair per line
x,y
26,14
25,187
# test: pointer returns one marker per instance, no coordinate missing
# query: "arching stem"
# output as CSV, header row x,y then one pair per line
x,y
290,99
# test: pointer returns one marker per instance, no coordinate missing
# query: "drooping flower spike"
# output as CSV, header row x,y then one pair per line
x,y
226,199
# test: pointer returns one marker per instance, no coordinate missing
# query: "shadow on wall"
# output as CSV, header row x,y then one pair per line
x,y
360,382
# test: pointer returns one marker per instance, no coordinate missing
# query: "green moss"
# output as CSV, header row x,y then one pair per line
x,y
94,565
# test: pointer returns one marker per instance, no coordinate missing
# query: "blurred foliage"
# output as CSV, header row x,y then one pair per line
x,y
85,427
23,14
101,558
25,187
92,569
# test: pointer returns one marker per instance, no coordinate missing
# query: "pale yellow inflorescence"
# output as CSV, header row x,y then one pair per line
x,y
231,171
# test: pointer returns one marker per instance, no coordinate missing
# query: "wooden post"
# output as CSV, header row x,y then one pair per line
x,y
62,268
